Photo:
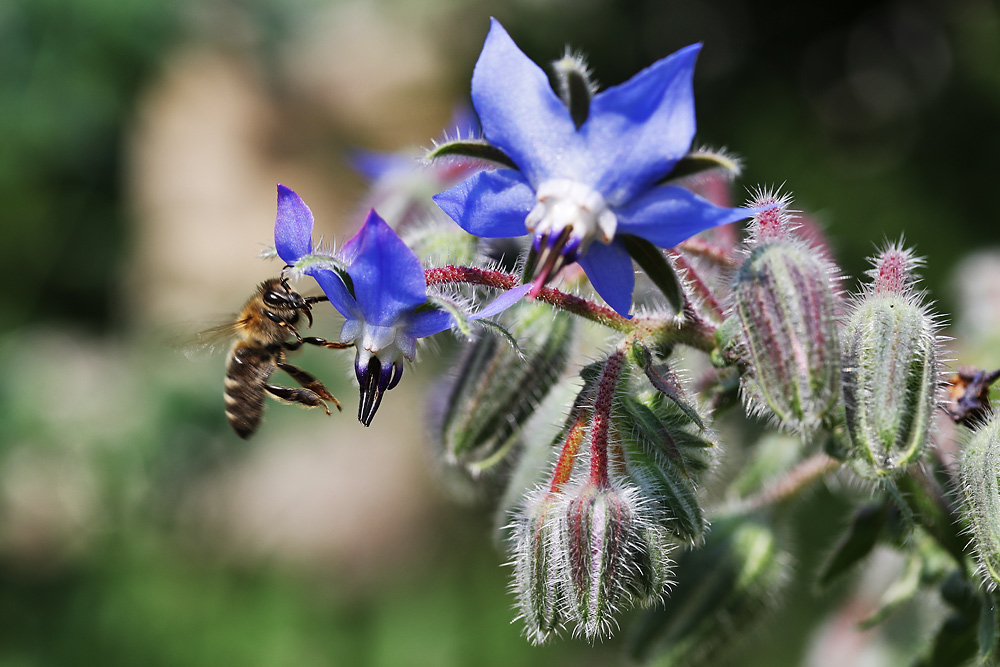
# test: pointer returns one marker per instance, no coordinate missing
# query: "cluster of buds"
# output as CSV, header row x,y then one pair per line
x,y
605,181
786,305
598,535
890,376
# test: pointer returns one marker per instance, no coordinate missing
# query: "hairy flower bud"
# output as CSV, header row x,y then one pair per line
x,y
536,566
890,375
723,592
496,389
786,307
601,536
980,475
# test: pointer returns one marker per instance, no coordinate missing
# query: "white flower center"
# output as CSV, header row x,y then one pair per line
x,y
566,203
390,344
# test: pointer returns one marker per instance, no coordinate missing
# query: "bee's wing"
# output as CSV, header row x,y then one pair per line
x,y
207,341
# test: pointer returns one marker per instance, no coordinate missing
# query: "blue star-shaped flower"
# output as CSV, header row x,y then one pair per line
x,y
574,185
377,283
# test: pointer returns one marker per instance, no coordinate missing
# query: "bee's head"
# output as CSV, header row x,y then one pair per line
x,y
277,294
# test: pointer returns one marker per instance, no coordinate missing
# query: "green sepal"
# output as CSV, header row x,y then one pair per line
x,y
664,458
701,161
855,544
726,342
501,332
575,87
458,314
663,378
655,264
328,262
476,149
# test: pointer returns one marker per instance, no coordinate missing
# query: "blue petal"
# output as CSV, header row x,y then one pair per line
x,y
429,323
502,302
519,111
490,204
337,292
669,214
388,277
637,131
609,268
293,226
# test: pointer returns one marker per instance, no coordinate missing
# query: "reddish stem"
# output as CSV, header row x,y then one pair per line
x,y
564,466
603,399
720,256
700,287
489,278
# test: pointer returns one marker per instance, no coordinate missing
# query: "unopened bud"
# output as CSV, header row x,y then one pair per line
x,y
536,566
786,307
890,376
980,475
438,241
601,537
495,390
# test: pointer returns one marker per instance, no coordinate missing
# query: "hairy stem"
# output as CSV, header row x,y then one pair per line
x,y
604,395
690,329
793,482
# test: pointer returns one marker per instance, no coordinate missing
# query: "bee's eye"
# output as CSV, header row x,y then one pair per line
x,y
273,298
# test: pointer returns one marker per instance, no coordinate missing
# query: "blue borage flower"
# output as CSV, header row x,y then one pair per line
x,y
377,283
574,184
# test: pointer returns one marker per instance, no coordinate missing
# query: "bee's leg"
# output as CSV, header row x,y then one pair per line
x,y
322,342
309,381
282,322
305,397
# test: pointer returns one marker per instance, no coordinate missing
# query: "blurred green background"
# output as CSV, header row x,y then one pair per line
x,y
140,141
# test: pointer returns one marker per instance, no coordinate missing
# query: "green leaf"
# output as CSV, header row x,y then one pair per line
x,y
663,458
663,378
856,543
477,149
652,260
502,333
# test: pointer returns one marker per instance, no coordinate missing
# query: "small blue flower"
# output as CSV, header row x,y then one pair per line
x,y
574,185
377,283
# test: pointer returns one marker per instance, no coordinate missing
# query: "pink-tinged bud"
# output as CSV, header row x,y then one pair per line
x,y
537,566
890,376
773,223
601,537
786,307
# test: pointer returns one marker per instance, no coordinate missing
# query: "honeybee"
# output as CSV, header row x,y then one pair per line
x,y
265,332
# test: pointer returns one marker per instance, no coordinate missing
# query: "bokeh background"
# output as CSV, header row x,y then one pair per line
x,y
140,144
